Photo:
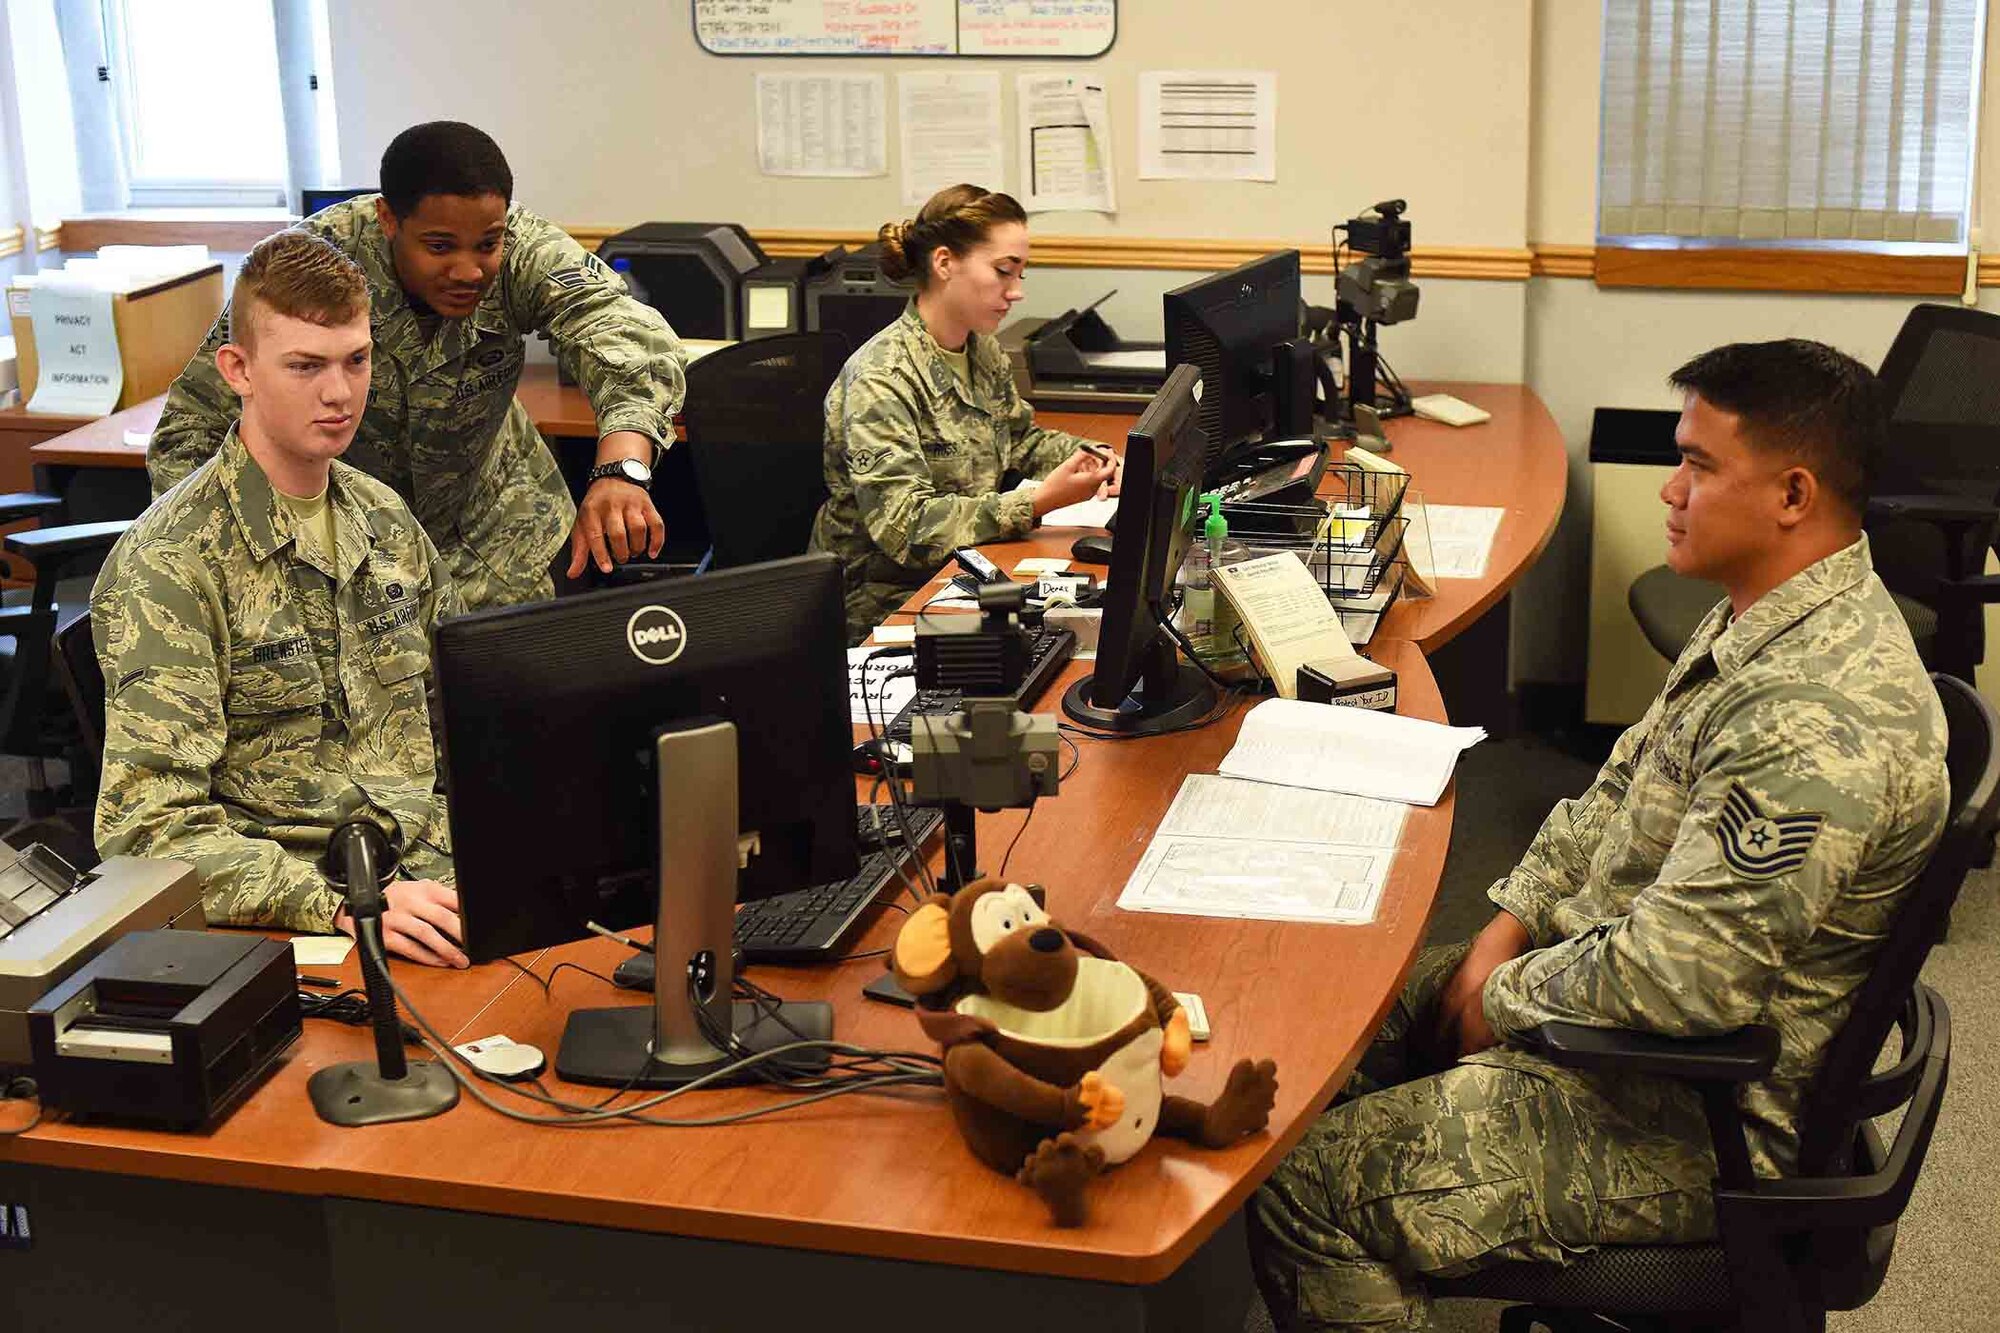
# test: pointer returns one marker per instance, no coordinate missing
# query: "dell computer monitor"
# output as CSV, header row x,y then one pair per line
x,y
648,754
1140,685
1241,330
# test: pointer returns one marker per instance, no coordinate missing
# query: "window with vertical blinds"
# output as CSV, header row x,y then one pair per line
x,y
1767,121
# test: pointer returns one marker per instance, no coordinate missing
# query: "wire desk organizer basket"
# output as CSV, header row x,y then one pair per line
x,y
1350,536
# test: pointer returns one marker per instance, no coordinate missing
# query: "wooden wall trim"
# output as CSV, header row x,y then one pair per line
x,y
13,241
1781,270
1743,270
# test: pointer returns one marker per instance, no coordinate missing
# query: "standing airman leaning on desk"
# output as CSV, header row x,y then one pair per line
x,y
264,630
1738,860
925,422
456,277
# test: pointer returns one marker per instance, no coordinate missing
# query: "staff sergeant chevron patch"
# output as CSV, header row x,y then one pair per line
x,y
1760,846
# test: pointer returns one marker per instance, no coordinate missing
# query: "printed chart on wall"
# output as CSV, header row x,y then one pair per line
x,y
1042,29
1208,125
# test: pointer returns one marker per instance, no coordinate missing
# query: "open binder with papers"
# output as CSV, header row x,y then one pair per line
x,y
1352,750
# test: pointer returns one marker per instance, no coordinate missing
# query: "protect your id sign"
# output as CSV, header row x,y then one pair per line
x,y
76,350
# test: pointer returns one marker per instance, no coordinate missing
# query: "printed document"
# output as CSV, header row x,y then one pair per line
x,y
1065,144
950,126
1285,612
1461,538
821,125
1355,750
1247,849
876,698
1208,125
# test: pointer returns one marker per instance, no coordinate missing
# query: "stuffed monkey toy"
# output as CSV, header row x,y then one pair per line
x,y
1055,1051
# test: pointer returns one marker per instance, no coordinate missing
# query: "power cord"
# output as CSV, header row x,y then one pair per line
x,y
349,1007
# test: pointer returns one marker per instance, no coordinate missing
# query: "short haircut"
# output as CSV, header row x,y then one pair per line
x,y
956,217
442,157
1801,399
298,274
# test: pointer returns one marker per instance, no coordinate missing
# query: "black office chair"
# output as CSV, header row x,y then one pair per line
x,y
756,428
36,721
1931,519
1789,1250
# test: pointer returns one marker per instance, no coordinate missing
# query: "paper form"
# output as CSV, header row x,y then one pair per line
x,y
1352,750
877,698
949,129
1285,612
76,344
821,125
1066,158
1461,538
1210,805
1082,514
1208,125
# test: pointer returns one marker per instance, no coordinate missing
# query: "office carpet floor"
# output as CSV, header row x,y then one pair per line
x,y
1943,1279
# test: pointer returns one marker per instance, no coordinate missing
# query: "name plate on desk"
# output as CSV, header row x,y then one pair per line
x,y
76,348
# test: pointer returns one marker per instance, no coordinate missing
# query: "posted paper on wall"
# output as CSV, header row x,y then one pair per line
x,y
1208,125
950,132
1066,159
76,348
822,125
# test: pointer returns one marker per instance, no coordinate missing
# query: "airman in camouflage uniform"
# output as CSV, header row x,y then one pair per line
x,y
443,428
256,699
914,461
1737,860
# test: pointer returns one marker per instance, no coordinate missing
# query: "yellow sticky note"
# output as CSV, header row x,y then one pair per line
x,y
1041,565
321,950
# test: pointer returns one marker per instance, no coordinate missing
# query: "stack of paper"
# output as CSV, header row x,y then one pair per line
x,y
1353,750
1082,514
1245,849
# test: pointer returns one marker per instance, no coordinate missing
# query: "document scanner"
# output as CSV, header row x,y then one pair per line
x,y
53,921
165,1026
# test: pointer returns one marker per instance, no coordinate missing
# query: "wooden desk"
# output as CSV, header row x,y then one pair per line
x,y
880,1179
1516,462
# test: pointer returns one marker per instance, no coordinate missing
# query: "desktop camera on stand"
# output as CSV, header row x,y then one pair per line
x,y
1372,291
988,755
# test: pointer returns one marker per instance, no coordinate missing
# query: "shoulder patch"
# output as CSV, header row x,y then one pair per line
x,y
569,279
1758,846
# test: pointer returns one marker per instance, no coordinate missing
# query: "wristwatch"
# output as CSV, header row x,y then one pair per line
x,y
625,469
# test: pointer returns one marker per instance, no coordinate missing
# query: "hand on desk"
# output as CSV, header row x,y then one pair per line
x,y
1078,477
1462,1025
421,923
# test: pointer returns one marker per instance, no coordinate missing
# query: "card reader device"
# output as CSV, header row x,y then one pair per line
x,y
165,1026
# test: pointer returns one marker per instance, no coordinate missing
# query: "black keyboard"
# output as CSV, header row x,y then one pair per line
x,y
814,925
1049,650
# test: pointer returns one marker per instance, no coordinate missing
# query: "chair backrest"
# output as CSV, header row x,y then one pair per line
x,y
756,427
1844,1095
83,681
1941,380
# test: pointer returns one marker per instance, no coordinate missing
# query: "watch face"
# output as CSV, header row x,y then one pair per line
x,y
629,469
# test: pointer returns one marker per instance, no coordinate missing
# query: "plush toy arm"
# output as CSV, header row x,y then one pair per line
x,y
984,1076
1163,1001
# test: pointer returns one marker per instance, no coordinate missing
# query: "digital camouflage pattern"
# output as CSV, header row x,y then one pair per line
x,y
1737,860
255,700
443,427
914,461
1426,1168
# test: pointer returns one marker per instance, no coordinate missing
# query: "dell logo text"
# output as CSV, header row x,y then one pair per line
x,y
655,635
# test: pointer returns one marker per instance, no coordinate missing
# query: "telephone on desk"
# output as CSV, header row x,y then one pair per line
x,y
1282,472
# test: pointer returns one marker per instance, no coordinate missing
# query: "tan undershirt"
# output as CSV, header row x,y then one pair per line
x,y
312,521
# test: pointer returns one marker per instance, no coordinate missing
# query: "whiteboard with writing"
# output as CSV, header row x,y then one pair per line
x,y
1043,29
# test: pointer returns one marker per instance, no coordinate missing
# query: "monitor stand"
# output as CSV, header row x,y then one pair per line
x,y
664,1046
1170,694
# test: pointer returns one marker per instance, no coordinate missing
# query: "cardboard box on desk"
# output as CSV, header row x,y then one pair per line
x,y
159,326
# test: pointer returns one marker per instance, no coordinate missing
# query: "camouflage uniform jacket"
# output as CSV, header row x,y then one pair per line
x,y
443,427
1740,855
914,460
255,700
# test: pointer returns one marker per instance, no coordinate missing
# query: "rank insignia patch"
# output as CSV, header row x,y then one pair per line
x,y
1760,846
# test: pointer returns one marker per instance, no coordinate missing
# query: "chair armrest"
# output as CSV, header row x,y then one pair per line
x,y
1931,508
71,539
27,504
1742,1056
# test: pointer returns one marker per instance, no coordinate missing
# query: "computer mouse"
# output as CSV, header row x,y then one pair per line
x,y
1091,550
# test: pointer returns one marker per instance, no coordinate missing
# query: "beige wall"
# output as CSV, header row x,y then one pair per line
x,y
1482,113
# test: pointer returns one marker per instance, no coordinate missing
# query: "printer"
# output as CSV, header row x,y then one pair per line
x,y
1077,362
855,297
53,921
170,1027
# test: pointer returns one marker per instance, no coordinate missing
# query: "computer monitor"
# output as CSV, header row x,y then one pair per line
x,y
1241,330
1140,685
650,753
313,200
